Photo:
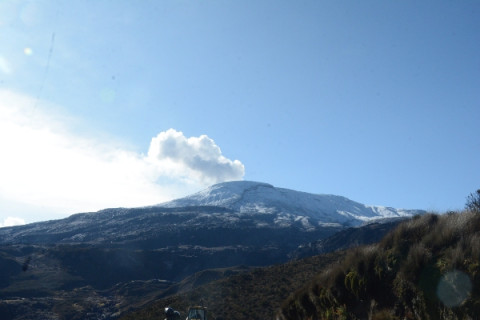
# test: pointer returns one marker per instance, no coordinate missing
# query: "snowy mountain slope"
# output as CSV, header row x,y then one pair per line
x,y
248,197
230,205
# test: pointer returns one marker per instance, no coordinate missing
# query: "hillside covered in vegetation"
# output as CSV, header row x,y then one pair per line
x,y
248,295
427,268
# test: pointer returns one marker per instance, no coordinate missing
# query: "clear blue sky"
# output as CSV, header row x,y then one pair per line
x,y
128,103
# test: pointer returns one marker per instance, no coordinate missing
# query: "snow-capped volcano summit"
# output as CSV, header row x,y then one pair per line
x,y
237,205
248,197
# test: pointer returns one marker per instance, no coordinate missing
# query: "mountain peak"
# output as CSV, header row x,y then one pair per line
x,y
250,197
224,194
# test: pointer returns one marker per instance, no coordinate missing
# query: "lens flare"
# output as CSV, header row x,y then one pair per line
x,y
454,287
28,51
108,95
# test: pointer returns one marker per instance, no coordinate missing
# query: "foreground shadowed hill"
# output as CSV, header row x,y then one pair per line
x,y
249,295
427,268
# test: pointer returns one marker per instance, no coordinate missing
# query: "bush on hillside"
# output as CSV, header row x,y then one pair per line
x,y
473,201
427,268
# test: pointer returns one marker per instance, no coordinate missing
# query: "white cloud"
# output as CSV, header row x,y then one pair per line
x,y
43,164
196,157
12,221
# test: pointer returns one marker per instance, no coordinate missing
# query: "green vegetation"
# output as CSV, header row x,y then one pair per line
x,y
427,268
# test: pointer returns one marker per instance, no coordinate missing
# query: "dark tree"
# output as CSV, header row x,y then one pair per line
x,y
473,201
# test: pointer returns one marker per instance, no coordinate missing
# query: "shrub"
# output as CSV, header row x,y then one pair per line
x,y
383,315
418,256
473,201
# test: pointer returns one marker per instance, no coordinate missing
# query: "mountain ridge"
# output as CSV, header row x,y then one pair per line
x,y
227,204
249,197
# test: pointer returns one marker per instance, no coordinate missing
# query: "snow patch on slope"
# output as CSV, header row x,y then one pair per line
x,y
248,197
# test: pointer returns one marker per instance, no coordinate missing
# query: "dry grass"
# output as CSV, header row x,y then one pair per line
x,y
398,278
